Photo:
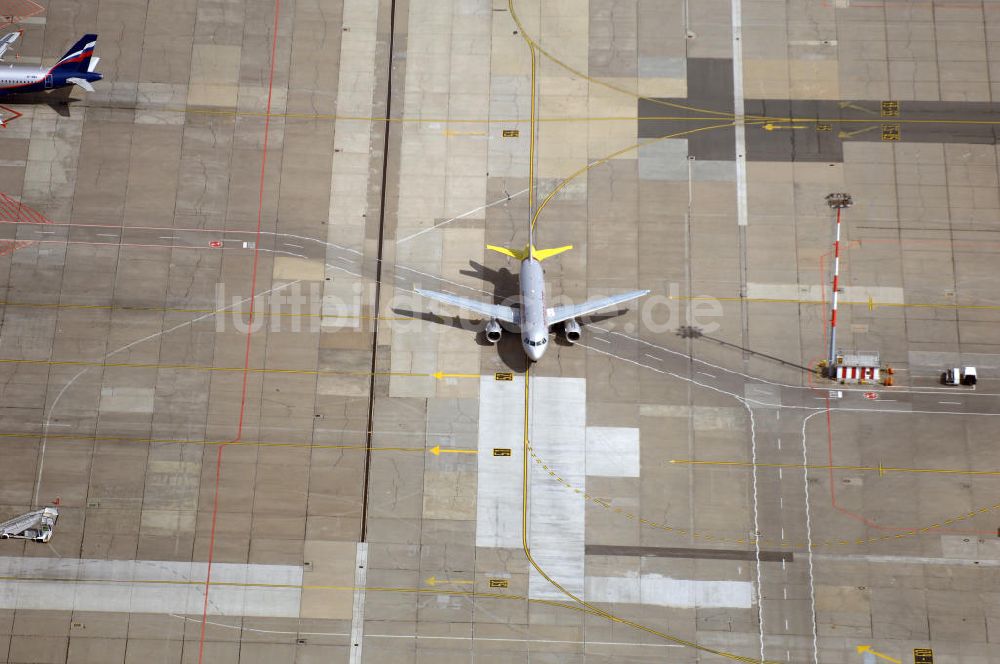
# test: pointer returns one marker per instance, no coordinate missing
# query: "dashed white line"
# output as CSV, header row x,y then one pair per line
x,y
707,374
106,235
297,246
653,357
603,341
954,403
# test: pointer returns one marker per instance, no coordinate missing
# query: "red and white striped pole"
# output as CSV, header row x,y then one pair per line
x,y
838,201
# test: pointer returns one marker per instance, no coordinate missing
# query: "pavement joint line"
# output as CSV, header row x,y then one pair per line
x,y
244,628
877,469
871,304
757,120
118,307
284,586
787,543
193,367
243,443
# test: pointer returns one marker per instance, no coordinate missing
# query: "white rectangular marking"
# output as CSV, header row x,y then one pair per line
x,y
613,451
149,586
358,610
556,514
498,489
659,590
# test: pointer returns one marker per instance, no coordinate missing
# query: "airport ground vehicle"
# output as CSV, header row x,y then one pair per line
x,y
957,376
36,525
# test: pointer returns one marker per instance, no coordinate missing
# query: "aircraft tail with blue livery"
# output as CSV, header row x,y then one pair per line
x,y
77,67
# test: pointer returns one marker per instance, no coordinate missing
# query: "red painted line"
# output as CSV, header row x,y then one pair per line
x,y
249,335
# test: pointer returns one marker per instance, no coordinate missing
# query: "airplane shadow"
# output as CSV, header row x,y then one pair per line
x,y
691,332
505,287
59,100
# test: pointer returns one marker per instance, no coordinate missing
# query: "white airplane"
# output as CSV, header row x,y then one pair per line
x,y
532,318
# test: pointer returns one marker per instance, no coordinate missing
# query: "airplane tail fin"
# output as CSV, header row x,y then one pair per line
x,y
537,254
77,58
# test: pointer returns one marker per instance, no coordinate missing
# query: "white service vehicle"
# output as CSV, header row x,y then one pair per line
x,y
956,376
35,526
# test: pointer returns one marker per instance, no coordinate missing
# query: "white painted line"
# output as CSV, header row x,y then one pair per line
x,y
603,341
461,216
481,638
106,235
297,246
739,110
906,560
706,374
653,357
955,403
168,237
358,612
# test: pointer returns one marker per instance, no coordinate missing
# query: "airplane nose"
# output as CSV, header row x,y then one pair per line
x,y
533,352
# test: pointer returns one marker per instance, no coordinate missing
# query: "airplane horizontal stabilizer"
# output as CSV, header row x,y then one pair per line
x,y
83,83
513,253
542,254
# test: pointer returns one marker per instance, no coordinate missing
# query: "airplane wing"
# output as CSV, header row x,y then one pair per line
x,y
6,41
498,311
555,315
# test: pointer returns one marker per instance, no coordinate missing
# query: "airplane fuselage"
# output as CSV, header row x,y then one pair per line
x,y
17,80
534,329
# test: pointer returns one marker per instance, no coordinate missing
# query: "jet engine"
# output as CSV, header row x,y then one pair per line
x,y
571,329
493,331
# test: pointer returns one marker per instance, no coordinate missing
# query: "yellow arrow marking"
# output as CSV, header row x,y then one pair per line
x,y
433,581
847,104
440,375
864,649
851,134
880,469
771,126
437,451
